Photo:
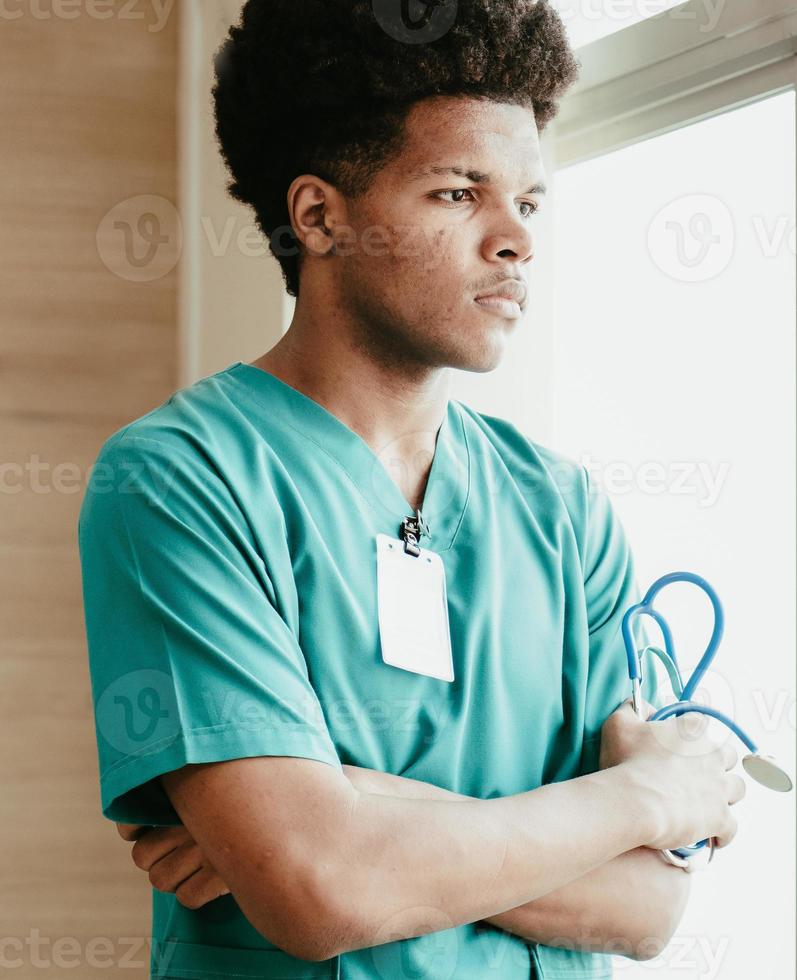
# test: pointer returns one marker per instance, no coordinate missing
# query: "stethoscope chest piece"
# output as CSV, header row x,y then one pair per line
x,y
766,771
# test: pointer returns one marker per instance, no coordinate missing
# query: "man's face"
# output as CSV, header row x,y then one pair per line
x,y
425,243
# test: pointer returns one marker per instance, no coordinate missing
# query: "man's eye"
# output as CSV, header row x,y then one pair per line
x,y
531,205
459,190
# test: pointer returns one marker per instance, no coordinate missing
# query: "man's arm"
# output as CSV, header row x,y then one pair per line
x,y
320,867
631,905
633,901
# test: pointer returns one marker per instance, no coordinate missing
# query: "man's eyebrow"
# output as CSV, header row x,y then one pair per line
x,y
474,176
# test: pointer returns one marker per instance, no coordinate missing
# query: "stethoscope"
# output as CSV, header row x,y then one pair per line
x,y
763,768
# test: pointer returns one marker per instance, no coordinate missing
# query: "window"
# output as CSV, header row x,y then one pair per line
x,y
674,381
590,20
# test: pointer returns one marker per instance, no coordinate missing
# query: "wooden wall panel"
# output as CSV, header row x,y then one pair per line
x,y
88,115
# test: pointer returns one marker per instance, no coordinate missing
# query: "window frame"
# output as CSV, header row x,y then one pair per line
x,y
664,73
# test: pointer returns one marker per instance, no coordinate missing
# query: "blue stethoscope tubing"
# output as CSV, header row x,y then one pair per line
x,y
762,768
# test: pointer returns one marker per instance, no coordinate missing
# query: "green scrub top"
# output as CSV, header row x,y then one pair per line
x,y
228,549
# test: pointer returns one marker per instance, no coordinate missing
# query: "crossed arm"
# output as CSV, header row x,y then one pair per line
x,y
630,906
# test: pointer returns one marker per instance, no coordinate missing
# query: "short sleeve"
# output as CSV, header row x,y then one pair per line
x,y
190,659
610,588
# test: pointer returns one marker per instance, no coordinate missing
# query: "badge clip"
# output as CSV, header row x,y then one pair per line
x,y
411,531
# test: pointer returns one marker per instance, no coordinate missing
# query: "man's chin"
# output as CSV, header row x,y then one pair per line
x,y
484,358
476,364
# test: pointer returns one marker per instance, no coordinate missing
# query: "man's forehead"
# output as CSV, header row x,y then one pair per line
x,y
477,140
451,120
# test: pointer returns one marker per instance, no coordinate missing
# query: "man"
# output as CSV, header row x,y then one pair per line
x,y
365,719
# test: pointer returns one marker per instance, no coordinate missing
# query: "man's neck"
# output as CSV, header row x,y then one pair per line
x,y
397,416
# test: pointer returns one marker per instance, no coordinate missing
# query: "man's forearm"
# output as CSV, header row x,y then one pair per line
x,y
631,906
635,899
415,866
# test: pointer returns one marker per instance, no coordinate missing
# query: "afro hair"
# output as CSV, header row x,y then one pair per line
x,y
322,87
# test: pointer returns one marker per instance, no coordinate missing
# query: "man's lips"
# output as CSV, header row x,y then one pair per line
x,y
500,304
511,289
507,298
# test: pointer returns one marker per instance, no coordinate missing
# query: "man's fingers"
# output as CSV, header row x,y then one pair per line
x,y
691,724
647,708
169,871
201,888
132,831
156,844
736,788
174,863
729,756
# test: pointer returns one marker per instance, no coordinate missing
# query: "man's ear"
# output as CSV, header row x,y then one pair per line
x,y
313,208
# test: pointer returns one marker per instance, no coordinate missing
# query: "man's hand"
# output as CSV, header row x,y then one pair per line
x,y
686,774
175,863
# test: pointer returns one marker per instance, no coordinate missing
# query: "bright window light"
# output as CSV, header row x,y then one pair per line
x,y
589,20
675,385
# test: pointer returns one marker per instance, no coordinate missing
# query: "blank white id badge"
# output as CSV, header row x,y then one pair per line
x,y
413,610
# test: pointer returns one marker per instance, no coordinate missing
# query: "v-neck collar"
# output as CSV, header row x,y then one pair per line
x,y
447,486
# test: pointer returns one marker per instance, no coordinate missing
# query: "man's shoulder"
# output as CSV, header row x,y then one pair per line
x,y
551,481
177,452
190,421
524,455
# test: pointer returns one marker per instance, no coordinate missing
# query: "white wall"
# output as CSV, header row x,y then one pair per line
x,y
234,305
